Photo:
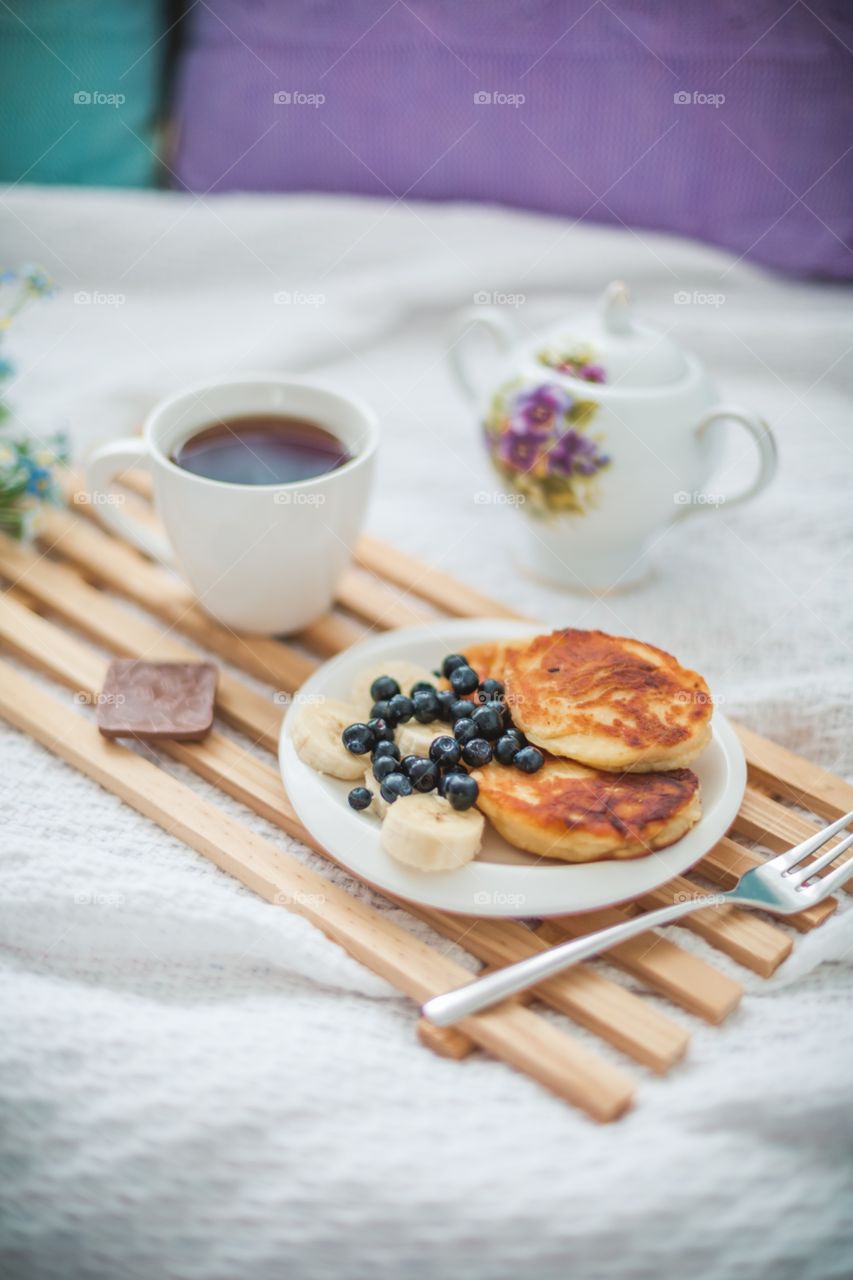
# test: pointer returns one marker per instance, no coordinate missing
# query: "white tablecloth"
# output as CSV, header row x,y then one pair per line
x,y
198,1085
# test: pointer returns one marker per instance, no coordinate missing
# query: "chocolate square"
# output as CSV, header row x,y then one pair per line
x,y
152,700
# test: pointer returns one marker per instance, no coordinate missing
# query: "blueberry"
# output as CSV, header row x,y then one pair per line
x,y
461,790
383,689
359,798
446,700
421,686
401,709
477,752
506,749
445,751
528,759
386,748
424,775
382,730
394,786
452,663
425,705
464,731
381,710
463,680
408,761
455,770
489,722
359,739
384,765
490,691
461,709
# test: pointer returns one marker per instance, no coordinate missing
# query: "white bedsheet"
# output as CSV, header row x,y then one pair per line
x,y
198,1085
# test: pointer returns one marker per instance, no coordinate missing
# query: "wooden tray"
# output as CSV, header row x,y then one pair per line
x,y
72,587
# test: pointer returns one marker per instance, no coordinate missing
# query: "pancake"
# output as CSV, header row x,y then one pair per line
x,y
607,701
577,814
487,658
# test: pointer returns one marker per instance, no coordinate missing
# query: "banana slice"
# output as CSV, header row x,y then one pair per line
x,y
405,673
415,739
378,806
316,735
426,832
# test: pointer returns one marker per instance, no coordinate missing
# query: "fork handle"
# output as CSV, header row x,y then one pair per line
x,y
483,992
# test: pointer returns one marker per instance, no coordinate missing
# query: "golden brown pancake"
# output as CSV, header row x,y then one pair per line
x,y
607,701
583,815
487,658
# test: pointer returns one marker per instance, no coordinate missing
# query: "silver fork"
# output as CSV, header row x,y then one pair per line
x,y
781,885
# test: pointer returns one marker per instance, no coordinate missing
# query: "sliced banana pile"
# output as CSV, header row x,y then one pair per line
x,y
420,830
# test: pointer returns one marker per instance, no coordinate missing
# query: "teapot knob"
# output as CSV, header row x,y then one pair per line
x,y
616,308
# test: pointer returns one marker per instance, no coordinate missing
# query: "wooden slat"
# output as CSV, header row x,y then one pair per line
x,y
740,934
431,584
107,560
511,1032
588,998
793,778
656,961
614,1013
62,591
329,635
447,1042
450,1042
368,598
771,824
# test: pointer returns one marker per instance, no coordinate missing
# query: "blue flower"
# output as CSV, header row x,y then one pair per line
x,y
38,481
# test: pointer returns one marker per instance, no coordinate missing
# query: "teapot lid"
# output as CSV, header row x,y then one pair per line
x,y
620,351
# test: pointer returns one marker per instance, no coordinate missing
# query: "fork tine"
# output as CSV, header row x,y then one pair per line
x,y
800,851
801,874
823,888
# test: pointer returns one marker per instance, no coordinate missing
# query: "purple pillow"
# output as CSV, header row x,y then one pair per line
x,y
724,121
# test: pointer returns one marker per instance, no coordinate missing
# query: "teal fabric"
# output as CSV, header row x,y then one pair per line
x,y
80,83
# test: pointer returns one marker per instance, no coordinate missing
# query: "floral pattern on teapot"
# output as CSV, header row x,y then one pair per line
x,y
577,362
540,441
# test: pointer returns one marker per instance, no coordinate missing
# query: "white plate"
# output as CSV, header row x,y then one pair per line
x,y
502,881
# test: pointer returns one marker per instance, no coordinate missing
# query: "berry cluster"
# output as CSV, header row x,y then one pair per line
x,y
481,731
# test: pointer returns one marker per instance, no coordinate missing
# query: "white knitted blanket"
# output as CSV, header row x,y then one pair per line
x,y
199,1086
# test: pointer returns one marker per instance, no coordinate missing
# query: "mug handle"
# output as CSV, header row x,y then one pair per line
x,y
101,470
461,326
768,457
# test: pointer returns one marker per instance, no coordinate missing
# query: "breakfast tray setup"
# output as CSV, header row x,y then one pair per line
x,y
66,602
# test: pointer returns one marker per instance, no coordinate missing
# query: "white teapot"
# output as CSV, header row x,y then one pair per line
x,y
601,432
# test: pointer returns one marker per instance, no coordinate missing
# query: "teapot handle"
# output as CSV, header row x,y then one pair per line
x,y
461,327
768,459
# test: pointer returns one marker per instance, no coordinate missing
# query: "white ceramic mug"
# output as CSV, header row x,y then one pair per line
x,y
264,558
